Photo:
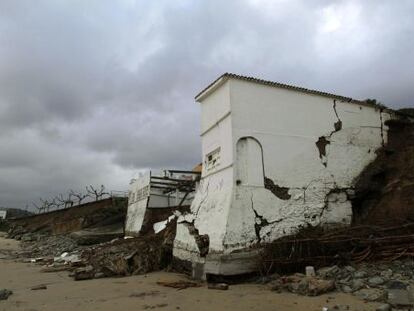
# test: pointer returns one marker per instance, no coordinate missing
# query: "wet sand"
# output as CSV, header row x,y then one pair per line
x,y
143,293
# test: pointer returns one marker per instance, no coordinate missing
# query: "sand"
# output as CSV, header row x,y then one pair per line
x,y
143,293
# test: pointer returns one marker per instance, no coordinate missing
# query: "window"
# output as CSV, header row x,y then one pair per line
x,y
212,160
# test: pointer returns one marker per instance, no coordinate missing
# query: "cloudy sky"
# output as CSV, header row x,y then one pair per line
x,y
93,91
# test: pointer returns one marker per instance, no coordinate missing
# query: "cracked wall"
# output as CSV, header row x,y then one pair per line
x,y
278,180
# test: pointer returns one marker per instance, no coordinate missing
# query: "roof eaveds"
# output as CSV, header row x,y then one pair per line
x,y
224,77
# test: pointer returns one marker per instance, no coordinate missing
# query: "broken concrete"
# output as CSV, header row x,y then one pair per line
x,y
131,256
303,285
154,197
84,273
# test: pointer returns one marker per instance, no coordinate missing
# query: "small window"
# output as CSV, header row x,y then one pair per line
x,y
212,160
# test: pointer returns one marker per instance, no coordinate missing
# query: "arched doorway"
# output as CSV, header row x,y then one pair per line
x,y
249,162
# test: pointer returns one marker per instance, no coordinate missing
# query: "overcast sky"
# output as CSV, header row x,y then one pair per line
x,y
93,91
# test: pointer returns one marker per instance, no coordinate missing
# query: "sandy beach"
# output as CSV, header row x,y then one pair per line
x,y
143,293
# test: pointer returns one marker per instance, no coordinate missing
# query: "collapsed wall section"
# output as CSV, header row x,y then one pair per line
x,y
153,198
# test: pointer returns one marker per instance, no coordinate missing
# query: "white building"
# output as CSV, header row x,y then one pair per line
x,y
154,197
276,158
3,214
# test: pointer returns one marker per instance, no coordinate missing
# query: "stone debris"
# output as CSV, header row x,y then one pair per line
x,y
371,294
84,273
179,284
51,269
376,281
39,287
220,286
384,307
303,285
38,259
310,271
161,225
339,308
67,258
145,294
5,293
400,298
160,305
391,283
49,246
132,256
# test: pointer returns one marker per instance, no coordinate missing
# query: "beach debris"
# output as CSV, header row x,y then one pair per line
x,y
145,294
220,286
39,287
5,293
179,284
84,273
310,271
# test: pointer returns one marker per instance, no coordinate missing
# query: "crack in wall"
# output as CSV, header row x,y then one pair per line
x,y
260,221
202,201
304,189
382,129
202,240
323,141
337,124
337,190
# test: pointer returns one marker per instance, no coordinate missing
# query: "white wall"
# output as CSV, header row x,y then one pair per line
x,y
232,205
137,208
214,194
288,124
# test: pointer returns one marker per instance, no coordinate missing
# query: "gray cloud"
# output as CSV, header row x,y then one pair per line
x,y
92,91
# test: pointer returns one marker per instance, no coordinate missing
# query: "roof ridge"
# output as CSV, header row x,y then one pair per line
x,y
281,85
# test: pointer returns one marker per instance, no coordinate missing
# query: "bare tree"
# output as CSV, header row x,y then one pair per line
x,y
64,202
78,195
39,208
96,193
45,205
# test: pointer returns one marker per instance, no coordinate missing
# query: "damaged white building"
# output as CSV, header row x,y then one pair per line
x,y
276,158
154,197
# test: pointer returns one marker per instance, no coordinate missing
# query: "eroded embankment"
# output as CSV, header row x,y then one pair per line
x,y
384,192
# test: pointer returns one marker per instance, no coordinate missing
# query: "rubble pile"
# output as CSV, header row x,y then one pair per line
x,y
16,231
129,256
4,225
387,282
39,245
303,285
